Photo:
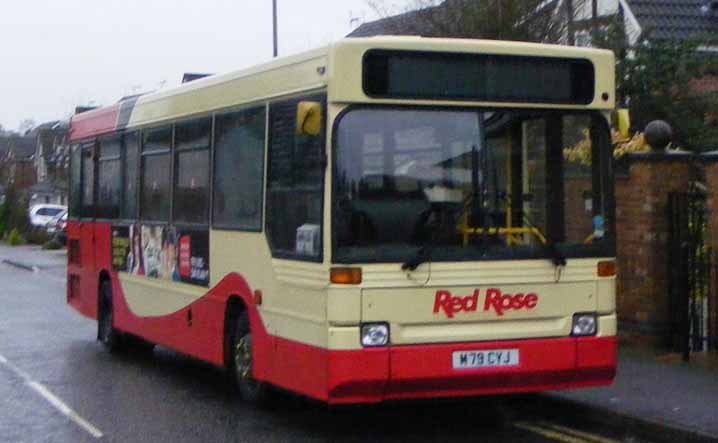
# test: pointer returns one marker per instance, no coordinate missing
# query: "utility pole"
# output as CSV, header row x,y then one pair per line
x,y
274,21
594,17
569,23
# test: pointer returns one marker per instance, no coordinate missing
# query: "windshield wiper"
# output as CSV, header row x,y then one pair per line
x,y
423,254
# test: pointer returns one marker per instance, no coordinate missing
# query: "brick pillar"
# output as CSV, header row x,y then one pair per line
x,y
642,233
710,167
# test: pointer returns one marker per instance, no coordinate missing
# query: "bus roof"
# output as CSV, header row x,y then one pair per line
x,y
314,70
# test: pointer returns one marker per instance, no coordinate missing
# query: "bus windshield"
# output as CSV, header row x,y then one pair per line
x,y
470,184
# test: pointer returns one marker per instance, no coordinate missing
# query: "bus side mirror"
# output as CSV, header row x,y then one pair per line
x,y
623,121
309,118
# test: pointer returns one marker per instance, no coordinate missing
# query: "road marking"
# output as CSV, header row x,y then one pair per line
x,y
582,434
563,433
553,435
53,399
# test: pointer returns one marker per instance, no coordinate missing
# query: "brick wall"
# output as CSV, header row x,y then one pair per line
x,y
642,232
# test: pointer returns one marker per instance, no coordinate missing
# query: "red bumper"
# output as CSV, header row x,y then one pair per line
x,y
417,371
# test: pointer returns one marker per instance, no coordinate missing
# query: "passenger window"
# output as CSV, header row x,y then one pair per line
x,y
75,181
239,169
156,168
295,184
109,180
191,196
88,181
131,147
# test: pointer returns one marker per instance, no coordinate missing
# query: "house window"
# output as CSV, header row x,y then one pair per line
x,y
583,39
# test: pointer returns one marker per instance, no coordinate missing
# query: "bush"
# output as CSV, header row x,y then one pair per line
x,y
37,236
52,245
13,212
15,239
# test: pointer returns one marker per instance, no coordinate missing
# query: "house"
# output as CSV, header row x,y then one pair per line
x,y
18,161
659,19
467,19
51,162
676,20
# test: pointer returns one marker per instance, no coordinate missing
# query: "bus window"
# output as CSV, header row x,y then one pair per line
x,y
131,145
155,192
109,180
582,187
191,196
239,169
88,181
75,181
467,185
294,188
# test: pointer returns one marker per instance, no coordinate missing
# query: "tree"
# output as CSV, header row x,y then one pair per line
x,y
659,80
517,20
13,212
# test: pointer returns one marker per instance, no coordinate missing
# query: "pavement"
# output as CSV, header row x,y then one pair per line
x,y
657,392
34,258
655,397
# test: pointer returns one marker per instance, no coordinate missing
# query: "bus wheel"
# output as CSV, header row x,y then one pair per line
x,y
106,333
250,390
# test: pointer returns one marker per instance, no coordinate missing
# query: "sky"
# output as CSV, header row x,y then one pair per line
x,y
58,54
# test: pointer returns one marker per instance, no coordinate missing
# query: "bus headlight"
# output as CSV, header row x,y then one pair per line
x,y
584,324
374,334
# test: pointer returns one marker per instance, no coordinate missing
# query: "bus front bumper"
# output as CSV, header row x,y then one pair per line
x,y
422,371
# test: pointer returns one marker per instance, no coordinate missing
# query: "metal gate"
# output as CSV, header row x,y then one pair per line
x,y
692,274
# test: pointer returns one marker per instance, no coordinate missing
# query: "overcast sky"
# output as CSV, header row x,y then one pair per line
x,y
56,54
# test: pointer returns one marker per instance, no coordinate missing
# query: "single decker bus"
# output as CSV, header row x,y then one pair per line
x,y
384,218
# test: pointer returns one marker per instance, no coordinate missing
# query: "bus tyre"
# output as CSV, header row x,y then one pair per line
x,y
106,333
250,390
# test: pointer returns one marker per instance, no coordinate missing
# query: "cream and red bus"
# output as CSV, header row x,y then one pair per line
x,y
384,218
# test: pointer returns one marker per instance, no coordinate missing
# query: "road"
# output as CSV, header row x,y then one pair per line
x,y
57,384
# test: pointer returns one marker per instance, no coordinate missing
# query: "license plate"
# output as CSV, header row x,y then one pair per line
x,y
496,358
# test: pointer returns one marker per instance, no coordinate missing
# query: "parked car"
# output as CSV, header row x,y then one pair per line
x,y
57,227
40,215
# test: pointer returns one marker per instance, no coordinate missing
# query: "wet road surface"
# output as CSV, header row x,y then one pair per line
x,y
57,384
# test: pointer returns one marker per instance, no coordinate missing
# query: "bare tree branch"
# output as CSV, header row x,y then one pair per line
x,y
541,21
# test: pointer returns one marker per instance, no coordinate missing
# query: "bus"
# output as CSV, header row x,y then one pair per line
x,y
384,218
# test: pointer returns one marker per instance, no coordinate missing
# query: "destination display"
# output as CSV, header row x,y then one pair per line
x,y
478,77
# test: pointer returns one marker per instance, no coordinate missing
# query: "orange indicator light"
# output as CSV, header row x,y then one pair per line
x,y
345,276
606,268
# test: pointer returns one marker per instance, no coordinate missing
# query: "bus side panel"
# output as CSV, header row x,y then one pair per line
x,y
197,329
82,281
103,247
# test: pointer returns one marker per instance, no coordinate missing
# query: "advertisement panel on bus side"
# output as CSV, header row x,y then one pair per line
x,y
163,252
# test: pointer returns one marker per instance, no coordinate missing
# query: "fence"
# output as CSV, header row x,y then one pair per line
x,y
693,274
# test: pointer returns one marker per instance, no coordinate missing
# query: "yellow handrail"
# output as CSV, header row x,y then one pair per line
x,y
510,232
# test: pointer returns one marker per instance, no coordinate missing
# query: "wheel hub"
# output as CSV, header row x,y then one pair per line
x,y
243,358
